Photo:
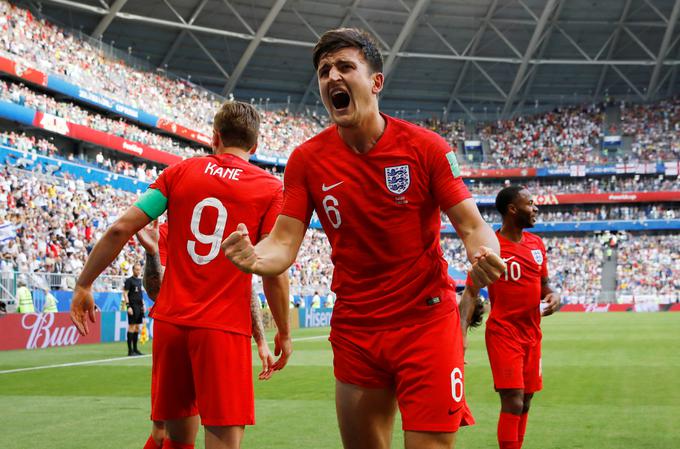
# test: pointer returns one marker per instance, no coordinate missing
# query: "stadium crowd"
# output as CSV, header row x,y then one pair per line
x,y
23,96
655,129
649,265
55,223
542,139
564,136
31,145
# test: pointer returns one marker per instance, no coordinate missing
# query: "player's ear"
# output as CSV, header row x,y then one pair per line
x,y
215,140
378,80
253,149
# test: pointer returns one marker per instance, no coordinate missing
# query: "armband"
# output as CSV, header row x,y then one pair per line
x,y
153,203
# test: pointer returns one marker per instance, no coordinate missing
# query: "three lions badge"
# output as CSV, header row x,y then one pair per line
x,y
397,179
538,256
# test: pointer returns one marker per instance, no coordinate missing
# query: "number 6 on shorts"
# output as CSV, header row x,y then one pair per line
x,y
457,384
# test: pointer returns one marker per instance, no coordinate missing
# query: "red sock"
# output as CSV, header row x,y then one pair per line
x,y
508,425
522,428
151,444
169,444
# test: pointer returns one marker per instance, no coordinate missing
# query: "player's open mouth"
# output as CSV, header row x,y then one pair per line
x,y
340,99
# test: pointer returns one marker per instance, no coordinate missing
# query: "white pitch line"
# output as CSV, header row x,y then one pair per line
x,y
94,362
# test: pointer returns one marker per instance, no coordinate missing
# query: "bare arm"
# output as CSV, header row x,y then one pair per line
x,y
550,297
256,318
472,229
481,244
468,304
273,254
148,237
276,289
111,244
103,253
153,275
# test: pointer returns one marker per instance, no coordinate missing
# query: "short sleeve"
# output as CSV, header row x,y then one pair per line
x,y
127,287
164,181
297,202
271,213
446,182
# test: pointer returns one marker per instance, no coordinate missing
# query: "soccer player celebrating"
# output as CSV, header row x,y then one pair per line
x,y
202,355
154,240
377,184
513,330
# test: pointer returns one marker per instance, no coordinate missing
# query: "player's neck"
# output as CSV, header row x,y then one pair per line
x,y
365,135
511,232
234,151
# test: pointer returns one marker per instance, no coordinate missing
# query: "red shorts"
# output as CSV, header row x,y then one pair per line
x,y
206,372
515,365
423,364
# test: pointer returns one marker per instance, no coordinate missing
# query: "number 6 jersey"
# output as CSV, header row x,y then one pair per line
x,y
207,197
381,213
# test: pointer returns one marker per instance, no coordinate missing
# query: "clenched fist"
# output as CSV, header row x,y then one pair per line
x,y
487,267
239,249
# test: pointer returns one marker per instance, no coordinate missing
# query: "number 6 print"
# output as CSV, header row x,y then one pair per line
x,y
457,384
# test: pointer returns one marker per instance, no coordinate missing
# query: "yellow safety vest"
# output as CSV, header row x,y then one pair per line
x,y
25,300
50,304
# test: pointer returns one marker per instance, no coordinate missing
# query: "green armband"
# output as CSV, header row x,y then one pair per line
x,y
152,203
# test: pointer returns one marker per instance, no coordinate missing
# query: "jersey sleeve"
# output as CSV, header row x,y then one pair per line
x,y
272,212
446,182
126,287
154,201
297,202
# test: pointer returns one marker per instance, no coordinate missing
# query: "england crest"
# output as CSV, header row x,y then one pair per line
x,y
538,256
397,179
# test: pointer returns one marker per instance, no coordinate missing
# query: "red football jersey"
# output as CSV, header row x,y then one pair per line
x,y
516,296
207,198
381,213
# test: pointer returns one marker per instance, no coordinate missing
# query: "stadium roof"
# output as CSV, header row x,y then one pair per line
x,y
475,59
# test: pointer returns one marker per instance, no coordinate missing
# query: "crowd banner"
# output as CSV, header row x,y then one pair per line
x,y
42,330
59,125
114,326
601,198
22,71
182,131
310,317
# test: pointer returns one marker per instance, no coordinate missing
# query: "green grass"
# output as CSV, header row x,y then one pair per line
x,y
611,381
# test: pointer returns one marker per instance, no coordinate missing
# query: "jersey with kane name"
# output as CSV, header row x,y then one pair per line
x,y
516,296
207,197
381,213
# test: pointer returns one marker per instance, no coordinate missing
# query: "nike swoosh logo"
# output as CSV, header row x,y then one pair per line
x,y
509,258
325,188
453,412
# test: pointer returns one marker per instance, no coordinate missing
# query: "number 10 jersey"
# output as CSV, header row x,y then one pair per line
x,y
207,197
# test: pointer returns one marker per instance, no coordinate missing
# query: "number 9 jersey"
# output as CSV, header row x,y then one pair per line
x,y
206,198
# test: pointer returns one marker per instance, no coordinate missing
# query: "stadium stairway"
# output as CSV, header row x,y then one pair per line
x,y
609,277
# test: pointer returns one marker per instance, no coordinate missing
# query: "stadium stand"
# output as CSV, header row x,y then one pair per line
x,y
56,197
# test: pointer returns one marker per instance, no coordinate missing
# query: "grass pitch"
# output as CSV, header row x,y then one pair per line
x,y
610,381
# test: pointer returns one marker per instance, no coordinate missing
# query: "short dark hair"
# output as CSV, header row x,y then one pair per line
x,y
333,40
238,124
505,197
